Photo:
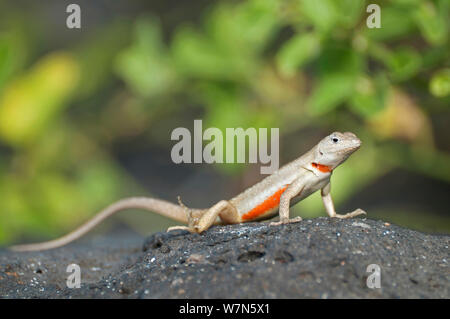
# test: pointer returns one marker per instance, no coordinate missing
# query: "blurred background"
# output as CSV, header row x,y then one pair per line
x,y
86,114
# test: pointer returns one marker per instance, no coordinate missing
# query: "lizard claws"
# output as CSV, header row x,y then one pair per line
x,y
188,228
355,213
192,221
286,221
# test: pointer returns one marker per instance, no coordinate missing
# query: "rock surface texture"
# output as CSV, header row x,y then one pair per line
x,y
316,258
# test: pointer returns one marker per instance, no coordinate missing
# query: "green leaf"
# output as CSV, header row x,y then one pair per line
x,y
331,91
245,28
404,63
199,57
321,13
350,11
99,177
230,45
12,54
440,83
369,96
338,58
5,59
146,66
32,101
432,21
339,67
258,21
97,57
395,23
295,52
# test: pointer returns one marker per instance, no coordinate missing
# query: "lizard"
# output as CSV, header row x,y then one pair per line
x,y
275,193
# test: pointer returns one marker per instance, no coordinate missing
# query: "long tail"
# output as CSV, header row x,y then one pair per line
x,y
159,206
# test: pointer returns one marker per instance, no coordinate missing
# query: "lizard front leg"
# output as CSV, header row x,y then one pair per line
x,y
329,206
294,189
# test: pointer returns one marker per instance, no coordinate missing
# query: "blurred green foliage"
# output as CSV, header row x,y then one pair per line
x,y
291,64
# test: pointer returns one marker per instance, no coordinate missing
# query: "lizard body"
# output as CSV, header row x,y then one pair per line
x,y
275,193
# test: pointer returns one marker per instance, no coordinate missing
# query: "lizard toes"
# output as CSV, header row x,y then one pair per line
x,y
276,223
188,228
286,221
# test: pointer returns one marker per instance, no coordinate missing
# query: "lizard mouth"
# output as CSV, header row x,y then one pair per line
x,y
356,144
352,149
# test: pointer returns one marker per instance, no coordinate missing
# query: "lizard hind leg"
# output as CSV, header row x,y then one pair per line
x,y
191,219
223,209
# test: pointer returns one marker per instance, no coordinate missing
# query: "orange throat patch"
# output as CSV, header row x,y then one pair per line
x,y
322,168
268,204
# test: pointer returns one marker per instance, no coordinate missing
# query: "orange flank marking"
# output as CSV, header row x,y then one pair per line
x,y
268,204
322,168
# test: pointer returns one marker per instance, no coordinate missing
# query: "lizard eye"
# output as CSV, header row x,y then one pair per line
x,y
335,139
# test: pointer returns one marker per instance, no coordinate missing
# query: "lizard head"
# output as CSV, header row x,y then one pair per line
x,y
336,148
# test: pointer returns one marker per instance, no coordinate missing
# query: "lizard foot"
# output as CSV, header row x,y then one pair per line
x,y
355,213
286,221
192,221
188,228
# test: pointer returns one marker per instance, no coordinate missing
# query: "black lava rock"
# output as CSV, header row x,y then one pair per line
x,y
316,258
